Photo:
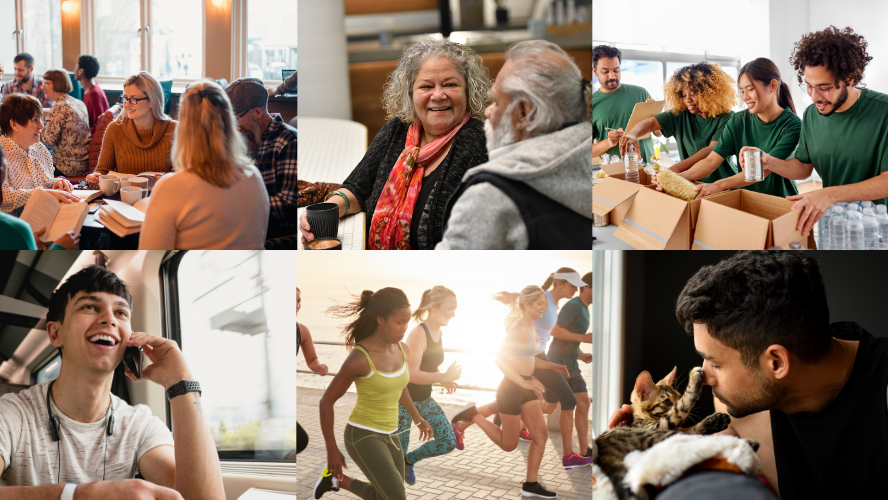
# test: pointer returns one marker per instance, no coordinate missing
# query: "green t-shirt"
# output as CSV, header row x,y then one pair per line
x,y
693,133
575,318
778,138
15,234
847,147
613,110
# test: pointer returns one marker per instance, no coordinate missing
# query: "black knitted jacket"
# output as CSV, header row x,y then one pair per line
x,y
368,178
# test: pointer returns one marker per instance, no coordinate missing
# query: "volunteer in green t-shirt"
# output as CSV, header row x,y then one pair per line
x,y
844,136
612,104
699,98
570,329
769,123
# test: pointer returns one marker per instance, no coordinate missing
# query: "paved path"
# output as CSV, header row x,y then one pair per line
x,y
482,470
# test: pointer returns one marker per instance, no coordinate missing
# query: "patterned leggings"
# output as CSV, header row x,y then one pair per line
x,y
444,440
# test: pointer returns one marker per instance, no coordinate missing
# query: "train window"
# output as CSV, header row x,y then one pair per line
x,y
233,314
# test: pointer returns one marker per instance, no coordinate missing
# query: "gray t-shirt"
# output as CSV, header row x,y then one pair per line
x,y
32,457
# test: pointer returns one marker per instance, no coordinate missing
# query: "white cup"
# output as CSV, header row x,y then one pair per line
x,y
126,181
131,194
139,182
109,184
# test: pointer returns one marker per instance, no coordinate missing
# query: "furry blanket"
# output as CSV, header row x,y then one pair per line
x,y
667,461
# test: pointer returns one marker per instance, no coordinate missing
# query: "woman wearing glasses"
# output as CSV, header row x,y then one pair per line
x,y
768,124
30,164
142,136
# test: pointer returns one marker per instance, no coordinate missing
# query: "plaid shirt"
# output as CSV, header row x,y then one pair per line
x,y
36,90
277,162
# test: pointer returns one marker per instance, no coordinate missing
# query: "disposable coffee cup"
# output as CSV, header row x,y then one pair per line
x,y
324,244
323,218
752,170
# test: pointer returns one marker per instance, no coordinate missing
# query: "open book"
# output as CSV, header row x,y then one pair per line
x,y
43,210
87,194
121,218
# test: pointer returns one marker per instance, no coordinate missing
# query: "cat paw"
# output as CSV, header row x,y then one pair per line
x,y
716,422
696,379
754,444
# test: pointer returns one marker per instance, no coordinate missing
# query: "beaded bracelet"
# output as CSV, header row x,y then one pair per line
x,y
344,197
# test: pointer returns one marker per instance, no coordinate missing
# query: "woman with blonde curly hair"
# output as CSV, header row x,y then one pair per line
x,y
699,98
434,101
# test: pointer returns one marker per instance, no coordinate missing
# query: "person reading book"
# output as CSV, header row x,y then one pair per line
x,y
16,234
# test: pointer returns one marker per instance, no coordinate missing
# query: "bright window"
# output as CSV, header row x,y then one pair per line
x,y
271,38
238,332
43,33
176,39
117,37
8,47
647,74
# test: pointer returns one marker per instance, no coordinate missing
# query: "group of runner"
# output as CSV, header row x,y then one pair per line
x,y
394,382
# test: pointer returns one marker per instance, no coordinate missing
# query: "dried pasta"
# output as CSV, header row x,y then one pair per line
x,y
676,185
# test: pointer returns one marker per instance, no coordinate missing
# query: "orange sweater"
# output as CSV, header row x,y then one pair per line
x,y
131,151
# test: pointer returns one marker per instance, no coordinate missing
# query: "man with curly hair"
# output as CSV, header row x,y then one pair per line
x,y
699,97
843,135
613,103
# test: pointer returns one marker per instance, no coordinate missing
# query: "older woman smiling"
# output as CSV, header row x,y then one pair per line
x,y
435,102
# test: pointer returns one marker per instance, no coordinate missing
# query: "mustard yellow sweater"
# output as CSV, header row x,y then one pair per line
x,y
131,151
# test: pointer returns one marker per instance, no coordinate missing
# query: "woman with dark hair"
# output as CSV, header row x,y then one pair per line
x,y
377,365
769,124
15,234
699,98
437,307
517,396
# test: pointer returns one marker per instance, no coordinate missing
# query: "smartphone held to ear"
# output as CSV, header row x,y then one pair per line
x,y
133,359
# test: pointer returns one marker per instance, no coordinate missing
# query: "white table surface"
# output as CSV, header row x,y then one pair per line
x,y
329,149
605,239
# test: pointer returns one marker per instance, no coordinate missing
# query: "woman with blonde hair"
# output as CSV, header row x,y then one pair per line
x,y
140,139
436,309
67,126
517,396
216,199
434,101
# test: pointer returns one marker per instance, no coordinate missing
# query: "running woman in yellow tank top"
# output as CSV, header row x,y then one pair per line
x,y
378,367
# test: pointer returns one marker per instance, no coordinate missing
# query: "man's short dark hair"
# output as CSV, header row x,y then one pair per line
x,y
756,299
90,279
587,278
605,51
24,56
843,52
89,64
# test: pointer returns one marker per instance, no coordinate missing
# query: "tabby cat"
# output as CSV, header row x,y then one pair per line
x,y
658,410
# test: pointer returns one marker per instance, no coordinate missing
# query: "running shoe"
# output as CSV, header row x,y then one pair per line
x,y
525,436
326,483
460,436
410,478
465,414
535,489
575,460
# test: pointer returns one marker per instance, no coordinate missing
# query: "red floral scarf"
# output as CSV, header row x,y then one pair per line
x,y
390,227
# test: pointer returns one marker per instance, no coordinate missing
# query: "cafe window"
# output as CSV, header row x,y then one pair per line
x,y
233,314
271,38
38,32
647,74
165,33
8,48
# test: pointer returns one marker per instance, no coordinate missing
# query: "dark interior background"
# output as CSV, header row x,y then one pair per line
x,y
654,340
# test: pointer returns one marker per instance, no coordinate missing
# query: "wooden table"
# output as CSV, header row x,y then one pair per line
x,y
329,149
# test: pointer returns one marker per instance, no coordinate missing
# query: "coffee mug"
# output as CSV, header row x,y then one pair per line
x,y
139,182
125,181
109,184
323,218
131,194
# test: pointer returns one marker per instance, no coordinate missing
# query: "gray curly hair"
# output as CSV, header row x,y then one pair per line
x,y
545,74
397,97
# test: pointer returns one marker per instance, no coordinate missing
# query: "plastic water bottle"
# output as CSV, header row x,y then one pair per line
x,y
854,226
837,229
823,230
870,229
866,204
632,165
882,219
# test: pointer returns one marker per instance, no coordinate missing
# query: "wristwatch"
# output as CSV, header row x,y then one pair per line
x,y
68,491
183,387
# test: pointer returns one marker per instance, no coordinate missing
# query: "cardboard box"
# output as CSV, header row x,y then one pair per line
x,y
618,171
611,198
658,221
746,220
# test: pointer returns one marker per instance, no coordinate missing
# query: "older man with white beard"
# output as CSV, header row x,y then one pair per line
x,y
536,190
